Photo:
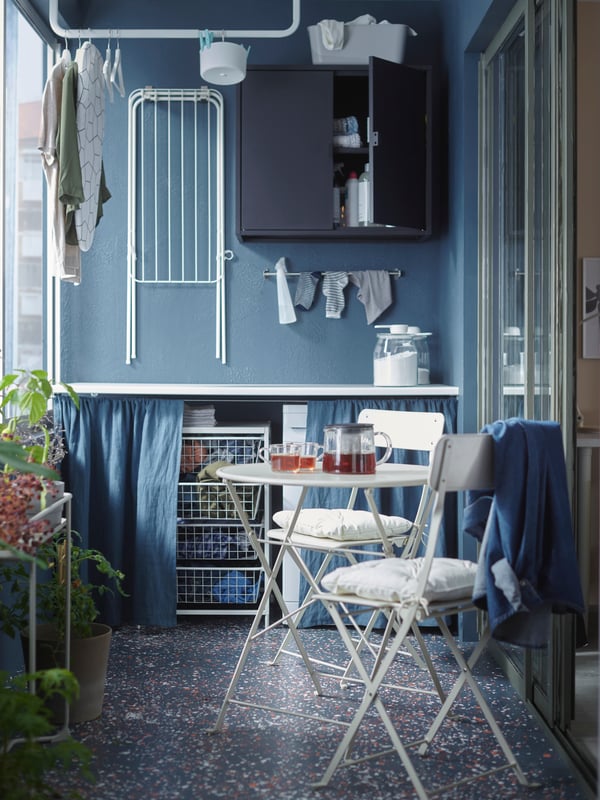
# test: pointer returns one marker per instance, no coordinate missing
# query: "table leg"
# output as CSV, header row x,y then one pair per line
x,y
271,586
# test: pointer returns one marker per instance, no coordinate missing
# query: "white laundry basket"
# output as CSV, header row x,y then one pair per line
x,y
385,40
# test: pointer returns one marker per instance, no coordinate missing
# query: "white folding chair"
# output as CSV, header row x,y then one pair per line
x,y
411,590
408,431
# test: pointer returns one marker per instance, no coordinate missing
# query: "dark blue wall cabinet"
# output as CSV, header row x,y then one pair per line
x,y
287,156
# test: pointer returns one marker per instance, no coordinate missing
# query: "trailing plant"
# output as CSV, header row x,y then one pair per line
x,y
30,768
18,532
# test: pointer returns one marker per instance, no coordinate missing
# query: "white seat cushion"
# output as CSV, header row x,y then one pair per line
x,y
341,523
395,579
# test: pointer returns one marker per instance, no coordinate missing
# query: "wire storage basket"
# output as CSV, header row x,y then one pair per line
x,y
218,587
201,495
207,542
217,568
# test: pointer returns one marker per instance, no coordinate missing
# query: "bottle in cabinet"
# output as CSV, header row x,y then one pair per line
x,y
364,197
351,202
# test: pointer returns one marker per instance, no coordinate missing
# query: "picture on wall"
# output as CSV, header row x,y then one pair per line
x,y
591,308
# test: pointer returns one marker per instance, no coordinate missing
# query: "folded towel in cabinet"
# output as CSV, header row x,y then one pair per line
x,y
374,291
346,140
345,125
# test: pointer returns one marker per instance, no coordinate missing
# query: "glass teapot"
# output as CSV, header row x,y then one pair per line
x,y
349,449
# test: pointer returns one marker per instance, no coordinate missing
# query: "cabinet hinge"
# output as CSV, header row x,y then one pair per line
x,y
375,138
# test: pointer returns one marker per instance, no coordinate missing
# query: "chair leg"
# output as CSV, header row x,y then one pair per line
x,y
466,676
392,640
312,587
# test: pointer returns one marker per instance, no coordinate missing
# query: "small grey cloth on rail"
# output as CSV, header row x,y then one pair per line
x,y
333,289
305,289
374,291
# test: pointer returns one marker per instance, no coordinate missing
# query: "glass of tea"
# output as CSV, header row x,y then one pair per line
x,y
310,454
284,457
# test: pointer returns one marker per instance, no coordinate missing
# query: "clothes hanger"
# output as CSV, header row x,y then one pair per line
x,y
66,55
116,76
106,73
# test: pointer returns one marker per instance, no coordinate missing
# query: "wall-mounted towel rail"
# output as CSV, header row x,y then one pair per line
x,y
394,273
176,215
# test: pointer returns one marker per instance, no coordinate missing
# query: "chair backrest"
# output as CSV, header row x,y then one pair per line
x,y
408,430
462,462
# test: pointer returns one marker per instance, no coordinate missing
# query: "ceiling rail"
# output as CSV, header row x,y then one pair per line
x,y
166,33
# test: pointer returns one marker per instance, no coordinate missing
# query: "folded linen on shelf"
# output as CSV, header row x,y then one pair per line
x,y
203,416
346,140
345,125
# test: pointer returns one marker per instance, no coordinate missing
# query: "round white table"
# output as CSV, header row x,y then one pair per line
x,y
386,476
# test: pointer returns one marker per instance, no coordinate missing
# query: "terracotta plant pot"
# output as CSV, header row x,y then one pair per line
x,y
89,662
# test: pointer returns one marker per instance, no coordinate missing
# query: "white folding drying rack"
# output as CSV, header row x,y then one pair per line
x,y
175,212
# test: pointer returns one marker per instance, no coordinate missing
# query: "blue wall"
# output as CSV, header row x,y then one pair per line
x,y
175,324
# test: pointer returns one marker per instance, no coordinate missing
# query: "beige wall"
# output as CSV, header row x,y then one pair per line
x,y
588,188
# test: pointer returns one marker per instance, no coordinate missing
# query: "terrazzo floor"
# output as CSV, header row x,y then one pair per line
x,y
165,688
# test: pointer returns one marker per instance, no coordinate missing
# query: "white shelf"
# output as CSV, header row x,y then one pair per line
x,y
245,390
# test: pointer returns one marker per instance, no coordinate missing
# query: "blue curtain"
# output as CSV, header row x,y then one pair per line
x,y
400,502
122,468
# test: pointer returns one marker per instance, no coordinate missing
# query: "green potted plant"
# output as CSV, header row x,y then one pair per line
x,y
26,395
28,439
31,761
30,450
89,639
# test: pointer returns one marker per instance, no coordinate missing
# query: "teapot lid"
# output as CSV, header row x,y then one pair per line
x,y
394,328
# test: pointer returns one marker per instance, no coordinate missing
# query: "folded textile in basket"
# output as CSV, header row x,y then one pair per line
x,y
214,500
332,30
235,587
346,140
345,125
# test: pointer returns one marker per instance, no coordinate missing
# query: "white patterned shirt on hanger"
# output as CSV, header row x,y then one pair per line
x,y
90,136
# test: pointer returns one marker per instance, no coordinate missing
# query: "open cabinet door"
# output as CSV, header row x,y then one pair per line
x,y
400,142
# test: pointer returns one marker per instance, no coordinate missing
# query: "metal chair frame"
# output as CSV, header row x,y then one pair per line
x,y
460,462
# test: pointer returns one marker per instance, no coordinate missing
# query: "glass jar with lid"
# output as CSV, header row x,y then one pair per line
x,y
395,358
421,342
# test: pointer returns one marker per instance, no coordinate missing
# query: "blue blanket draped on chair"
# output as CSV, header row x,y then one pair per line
x,y
528,564
122,468
402,502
